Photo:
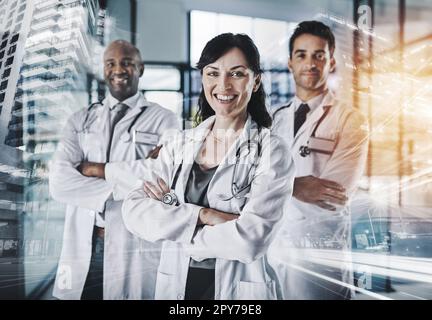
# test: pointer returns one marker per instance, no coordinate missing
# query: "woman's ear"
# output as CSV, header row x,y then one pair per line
x,y
257,83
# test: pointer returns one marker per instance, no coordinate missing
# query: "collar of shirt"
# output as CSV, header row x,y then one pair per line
x,y
131,102
313,103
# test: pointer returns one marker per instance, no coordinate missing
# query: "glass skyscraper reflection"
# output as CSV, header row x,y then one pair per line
x,y
47,49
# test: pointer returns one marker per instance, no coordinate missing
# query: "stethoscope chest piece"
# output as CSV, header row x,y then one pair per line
x,y
304,151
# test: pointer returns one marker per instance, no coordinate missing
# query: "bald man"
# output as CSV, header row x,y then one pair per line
x,y
97,161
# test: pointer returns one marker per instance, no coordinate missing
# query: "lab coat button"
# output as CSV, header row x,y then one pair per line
x,y
180,297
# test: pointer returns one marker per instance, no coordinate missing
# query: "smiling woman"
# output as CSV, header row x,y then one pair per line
x,y
216,219
228,83
230,66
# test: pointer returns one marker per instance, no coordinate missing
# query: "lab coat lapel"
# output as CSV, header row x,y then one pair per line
x,y
290,124
130,116
104,129
193,141
311,121
309,124
231,156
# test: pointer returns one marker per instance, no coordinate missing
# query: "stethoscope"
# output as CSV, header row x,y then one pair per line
x,y
237,189
305,150
126,136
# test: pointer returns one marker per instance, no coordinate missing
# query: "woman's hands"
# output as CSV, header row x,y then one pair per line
x,y
156,190
211,217
207,216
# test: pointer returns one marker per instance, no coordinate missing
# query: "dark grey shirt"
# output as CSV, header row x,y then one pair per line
x,y
196,193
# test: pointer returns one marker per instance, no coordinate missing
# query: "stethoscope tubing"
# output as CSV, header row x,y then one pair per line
x,y
127,135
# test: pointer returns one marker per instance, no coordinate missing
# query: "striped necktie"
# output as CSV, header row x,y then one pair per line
x,y
121,109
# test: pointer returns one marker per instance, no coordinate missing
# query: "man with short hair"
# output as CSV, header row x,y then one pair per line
x,y
100,259
329,143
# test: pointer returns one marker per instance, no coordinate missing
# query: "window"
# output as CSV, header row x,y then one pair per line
x,y
162,84
15,38
20,17
2,54
17,28
3,44
270,36
3,85
22,8
171,100
12,49
9,61
2,96
5,35
160,78
7,73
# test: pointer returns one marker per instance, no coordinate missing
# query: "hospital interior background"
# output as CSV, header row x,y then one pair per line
x,y
50,53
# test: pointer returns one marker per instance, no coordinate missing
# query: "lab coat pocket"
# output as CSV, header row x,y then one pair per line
x,y
144,143
256,290
142,150
165,286
319,163
93,146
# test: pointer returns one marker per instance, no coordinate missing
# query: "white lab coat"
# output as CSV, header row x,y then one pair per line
x,y
239,246
306,222
129,263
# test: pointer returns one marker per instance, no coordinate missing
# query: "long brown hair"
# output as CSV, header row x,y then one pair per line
x,y
215,49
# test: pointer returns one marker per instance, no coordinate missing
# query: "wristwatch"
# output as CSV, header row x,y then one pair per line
x,y
170,198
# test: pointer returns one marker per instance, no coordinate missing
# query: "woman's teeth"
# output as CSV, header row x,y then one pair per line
x,y
224,98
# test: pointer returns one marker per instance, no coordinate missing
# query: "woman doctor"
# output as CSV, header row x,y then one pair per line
x,y
218,190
